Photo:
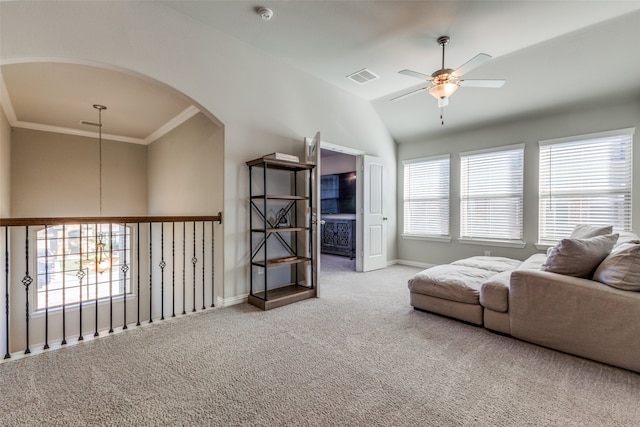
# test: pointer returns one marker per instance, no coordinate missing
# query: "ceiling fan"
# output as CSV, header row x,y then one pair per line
x,y
446,81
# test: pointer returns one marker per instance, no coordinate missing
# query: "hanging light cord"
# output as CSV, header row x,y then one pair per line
x,y
100,108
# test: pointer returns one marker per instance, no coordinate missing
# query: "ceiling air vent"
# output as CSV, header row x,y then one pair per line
x,y
363,76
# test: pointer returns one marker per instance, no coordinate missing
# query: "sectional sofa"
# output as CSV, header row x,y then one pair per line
x,y
583,297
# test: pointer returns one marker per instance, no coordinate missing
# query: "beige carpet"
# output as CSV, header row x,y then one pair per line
x,y
359,355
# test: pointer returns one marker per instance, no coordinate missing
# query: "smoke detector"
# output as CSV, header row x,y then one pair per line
x,y
265,13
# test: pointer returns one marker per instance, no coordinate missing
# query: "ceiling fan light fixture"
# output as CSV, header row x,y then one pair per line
x,y
443,90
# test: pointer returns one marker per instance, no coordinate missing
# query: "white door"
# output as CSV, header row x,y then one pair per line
x,y
312,155
374,240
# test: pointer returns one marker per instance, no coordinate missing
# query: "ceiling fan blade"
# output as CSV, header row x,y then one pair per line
x,y
415,74
443,102
493,83
413,92
474,62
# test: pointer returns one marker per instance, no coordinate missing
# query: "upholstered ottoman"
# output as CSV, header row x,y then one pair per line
x,y
453,290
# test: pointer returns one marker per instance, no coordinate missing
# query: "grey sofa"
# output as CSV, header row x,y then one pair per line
x,y
575,315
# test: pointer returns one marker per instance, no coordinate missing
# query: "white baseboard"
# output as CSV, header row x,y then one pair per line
x,y
415,263
227,302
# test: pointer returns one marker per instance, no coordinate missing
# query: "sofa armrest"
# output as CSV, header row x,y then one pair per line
x,y
578,316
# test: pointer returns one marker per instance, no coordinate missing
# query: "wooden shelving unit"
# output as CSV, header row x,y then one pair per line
x,y
278,222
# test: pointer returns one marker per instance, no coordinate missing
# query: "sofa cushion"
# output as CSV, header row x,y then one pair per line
x,y
452,282
585,231
579,257
627,237
494,292
621,268
461,280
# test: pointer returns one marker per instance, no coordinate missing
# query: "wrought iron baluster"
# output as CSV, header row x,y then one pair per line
x,y
162,266
184,263
212,266
194,260
173,269
150,272
80,275
110,278
125,270
203,263
26,281
7,354
95,254
138,272
64,287
46,287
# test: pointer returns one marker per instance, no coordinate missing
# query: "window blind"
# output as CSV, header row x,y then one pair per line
x,y
426,196
491,194
585,180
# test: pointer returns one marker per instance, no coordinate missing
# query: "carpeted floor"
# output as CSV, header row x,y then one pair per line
x,y
359,355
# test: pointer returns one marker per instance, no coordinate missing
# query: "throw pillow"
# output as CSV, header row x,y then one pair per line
x,y
585,231
579,257
621,268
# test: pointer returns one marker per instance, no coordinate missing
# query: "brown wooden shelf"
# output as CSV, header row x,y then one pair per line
x,y
281,296
280,197
277,262
279,229
280,164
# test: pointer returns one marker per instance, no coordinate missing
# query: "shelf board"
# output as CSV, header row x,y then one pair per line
x,y
280,164
281,296
280,197
277,262
279,229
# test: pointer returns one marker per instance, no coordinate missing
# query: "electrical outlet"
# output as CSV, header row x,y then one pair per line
x,y
487,253
260,270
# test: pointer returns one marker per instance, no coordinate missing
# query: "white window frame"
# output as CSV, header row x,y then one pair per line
x,y
49,286
470,233
439,193
592,170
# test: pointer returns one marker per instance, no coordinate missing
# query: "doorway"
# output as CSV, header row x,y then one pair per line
x,y
338,202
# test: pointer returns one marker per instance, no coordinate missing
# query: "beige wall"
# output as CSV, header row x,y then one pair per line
x,y
5,165
58,175
186,170
603,115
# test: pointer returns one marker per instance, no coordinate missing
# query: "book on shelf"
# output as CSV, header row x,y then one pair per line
x,y
282,156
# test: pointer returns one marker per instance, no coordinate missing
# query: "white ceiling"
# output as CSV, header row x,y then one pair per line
x,y
552,54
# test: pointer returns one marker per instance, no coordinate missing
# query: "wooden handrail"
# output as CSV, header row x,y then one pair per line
x,y
16,222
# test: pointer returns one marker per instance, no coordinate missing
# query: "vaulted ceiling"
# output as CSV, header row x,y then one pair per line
x,y
553,54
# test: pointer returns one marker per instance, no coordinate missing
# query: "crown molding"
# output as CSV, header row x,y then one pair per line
x,y
182,117
7,105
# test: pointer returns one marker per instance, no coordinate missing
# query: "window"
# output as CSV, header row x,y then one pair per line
x,y
491,201
81,263
585,179
426,197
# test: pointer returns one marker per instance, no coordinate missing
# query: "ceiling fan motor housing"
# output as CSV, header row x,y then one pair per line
x,y
442,76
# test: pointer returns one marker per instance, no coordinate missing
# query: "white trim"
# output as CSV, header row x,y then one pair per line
x,y
493,149
426,159
340,149
444,239
497,243
415,263
228,302
76,132
605,134
5,101
182,117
